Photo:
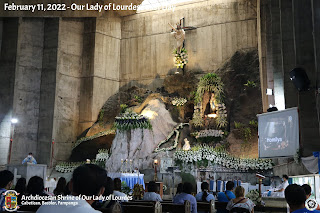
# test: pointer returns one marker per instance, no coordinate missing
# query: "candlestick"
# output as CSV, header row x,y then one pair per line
x,y
155,170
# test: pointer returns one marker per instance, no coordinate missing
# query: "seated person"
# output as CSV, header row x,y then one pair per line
x,y
117,190
109,187
61,186
36,186
296,198
226,196
307,190
29,159
204,196
240,202
151,195
179,189
21,188
6,178
186,195
87,180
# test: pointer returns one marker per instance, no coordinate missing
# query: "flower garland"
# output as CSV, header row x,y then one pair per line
x,y
100,134
103,155
222,158
178,101
174,131
66,167
254,196
208,133
131,120
180,59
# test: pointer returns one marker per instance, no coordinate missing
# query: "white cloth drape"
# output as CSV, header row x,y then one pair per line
x,y
311,164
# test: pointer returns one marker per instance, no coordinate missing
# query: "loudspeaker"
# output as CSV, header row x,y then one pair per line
x,y
300,79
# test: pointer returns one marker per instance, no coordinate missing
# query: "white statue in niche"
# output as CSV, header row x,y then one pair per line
x,y
186,145
179,35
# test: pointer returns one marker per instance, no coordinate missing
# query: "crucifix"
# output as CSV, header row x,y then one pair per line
x,y
179,34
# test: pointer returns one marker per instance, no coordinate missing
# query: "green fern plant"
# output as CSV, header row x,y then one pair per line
x,y
211,83
238,125
197,120
251,84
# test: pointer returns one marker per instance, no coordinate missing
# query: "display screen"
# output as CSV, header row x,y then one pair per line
x,y
278,133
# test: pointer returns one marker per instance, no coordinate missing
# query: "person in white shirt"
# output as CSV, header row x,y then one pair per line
x,y
87,181
117,191
283,186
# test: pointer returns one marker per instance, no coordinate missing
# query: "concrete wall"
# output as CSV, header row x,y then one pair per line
x,y
27,87
101,67
67,91
47,89
147,45
7,72
290,42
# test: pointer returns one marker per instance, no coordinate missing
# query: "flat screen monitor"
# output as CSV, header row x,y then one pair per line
x,y
278,133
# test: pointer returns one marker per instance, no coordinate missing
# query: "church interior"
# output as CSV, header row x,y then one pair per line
x,y
175,91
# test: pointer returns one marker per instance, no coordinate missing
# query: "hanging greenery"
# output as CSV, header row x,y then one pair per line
x,y
131,120
221,157
211,83
100,134
197,119
221,119
180,59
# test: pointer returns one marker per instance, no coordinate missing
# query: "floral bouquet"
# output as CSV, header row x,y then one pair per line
x,y
180,59
102,155
179,101
253,195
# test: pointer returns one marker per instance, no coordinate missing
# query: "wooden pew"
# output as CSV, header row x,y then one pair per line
x,y
176,208
167,206
206,207
115,208
145,207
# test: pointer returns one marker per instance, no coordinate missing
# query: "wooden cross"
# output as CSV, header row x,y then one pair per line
x,y
182,25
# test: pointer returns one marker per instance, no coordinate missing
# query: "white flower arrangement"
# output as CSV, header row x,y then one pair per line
x,y
254,196
180,59
66,167
179,101
223,158
131,120
100,134
209,133
174,131
103,155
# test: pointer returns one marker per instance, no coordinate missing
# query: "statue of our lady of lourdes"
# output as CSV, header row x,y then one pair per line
x,y
179,35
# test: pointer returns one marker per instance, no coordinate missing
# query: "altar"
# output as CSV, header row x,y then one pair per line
x,y
129,178
28,170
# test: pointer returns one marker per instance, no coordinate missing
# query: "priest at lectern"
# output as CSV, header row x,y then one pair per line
x,y
29,159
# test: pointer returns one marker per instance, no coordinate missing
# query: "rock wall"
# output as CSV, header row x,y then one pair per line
x,y
138,144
